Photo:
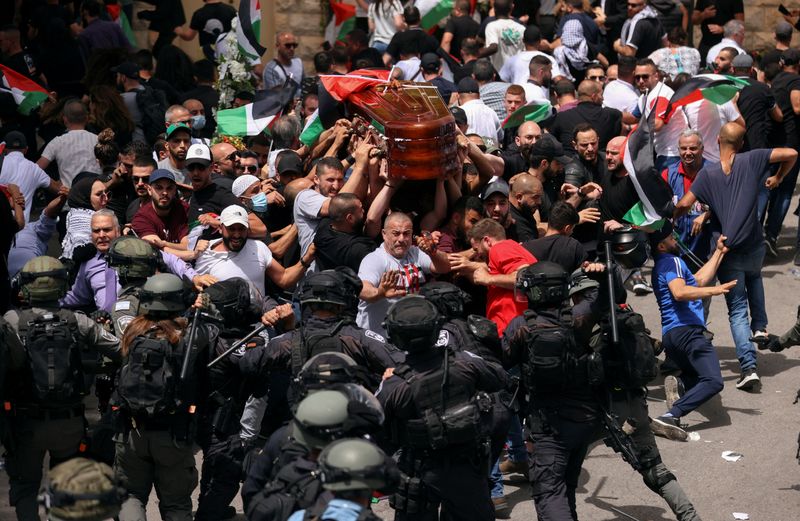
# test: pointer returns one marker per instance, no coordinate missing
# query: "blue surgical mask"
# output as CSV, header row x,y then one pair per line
x,y
198,122
259,202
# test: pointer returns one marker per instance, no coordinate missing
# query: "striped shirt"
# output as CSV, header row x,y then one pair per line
x,y
74,153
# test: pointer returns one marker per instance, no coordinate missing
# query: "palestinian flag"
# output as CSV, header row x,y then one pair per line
x,y
343,20
312,129
339,86
533,111
118,15
433,12
248,29
253,118
655,194
716,88
27,93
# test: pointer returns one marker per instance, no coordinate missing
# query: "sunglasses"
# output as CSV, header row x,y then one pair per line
x,y
250,168
137,179
232,156
291,45
641,77
195,166
597,78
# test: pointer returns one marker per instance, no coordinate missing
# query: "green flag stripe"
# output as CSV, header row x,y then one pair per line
x,y
31,100
378,126
435,15
232,122
720,94
536,113
346,28
312,131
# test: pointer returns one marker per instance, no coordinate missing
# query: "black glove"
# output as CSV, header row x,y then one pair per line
x,y
773,343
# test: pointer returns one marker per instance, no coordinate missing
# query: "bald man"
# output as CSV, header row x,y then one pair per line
x,y
223,168
514,159
619,194
605,120
525,195
731,190
285,66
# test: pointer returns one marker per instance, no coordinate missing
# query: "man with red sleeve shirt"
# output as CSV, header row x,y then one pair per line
x,y
164,222
503,258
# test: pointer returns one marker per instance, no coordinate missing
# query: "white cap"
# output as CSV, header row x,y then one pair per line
x,y
242,183
198,153
234,214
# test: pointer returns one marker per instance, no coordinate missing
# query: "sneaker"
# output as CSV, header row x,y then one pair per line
x,y
514,467
641,287
760,337
673,388
668,427
500,507
748,381
771,246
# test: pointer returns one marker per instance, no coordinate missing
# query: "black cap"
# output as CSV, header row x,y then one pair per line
x,y
468,85
497,186
659,235
430,62
549,147
245,95
289,162
790,57
15,140
459,114
129,69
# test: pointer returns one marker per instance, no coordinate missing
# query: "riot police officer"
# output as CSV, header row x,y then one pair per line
x,y
291,482
82,490
45,384
134,260
160,391
434,415
326,301
351,469
551,344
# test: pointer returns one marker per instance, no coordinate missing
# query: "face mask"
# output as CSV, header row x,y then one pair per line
x,y
259,202
198,122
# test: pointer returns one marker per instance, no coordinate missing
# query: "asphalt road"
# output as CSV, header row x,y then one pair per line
x,y
763,427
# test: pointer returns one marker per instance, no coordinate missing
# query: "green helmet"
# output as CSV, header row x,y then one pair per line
x,y
327,415
356,464
162,294
132,258
43,279
82,490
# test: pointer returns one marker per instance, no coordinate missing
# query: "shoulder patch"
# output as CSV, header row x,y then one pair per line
x,y
444,338
122,305
375,336
123,321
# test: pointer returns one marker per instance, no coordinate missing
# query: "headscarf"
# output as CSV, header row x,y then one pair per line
x,y
80,195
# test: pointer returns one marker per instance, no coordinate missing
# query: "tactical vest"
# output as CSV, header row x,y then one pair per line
x,y
447,415
554,359
296,486
307,345
475,335
632,363
125,309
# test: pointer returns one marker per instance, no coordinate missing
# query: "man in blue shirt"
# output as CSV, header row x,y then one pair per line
x,y
679,295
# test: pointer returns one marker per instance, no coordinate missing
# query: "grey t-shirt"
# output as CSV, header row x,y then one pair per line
x,y
180,175
306,209
413,268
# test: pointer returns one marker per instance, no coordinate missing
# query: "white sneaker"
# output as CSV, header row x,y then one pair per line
x,y
748,381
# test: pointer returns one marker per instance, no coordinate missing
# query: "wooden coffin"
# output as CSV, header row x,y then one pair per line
x,y
417,129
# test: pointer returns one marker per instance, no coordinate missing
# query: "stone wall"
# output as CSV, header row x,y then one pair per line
x,y
760,18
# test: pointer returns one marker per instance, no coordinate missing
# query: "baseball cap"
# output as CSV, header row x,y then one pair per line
x,y
161,173
289,162
496,186
15,140
468,85
430,62
790,57
550,148
234,214
783,30
742,61
490,144
176,127
659,235
129,69
198,154
459,114
242,183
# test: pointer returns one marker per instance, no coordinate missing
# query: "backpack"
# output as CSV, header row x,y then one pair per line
x,y
555,361
319,341
148,382
54,357
632,363
292,489
152,104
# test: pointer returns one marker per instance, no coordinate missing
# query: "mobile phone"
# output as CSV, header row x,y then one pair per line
x,y
782,9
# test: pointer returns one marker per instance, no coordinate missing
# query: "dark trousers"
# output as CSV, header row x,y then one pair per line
x,y
560,446
700,373
220,475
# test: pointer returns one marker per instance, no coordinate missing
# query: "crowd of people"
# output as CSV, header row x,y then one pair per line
x,y
327,332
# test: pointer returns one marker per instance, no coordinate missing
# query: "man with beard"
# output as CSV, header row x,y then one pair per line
x,y
143,167
525,197
723,63
130,84
514,159
162,221
679,294
340,240
179,139
464,214
234,256
223,171
497,207
547,161
583,191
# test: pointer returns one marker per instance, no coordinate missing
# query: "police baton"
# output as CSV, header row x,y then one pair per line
x,y
612,294
236,345
190,345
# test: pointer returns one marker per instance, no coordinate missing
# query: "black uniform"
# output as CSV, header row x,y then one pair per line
x,y
450,469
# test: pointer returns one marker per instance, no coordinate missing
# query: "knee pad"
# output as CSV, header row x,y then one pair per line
x,y
656,475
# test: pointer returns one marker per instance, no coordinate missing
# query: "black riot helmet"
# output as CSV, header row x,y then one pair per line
x,y
543,284
231,297
448,298
329,369
413,324
324,287
629,246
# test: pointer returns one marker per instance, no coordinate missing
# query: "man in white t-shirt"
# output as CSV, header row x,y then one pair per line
x,y
516,69
620,93
25,174
234,255
481,119
503,35
312,204
395,269
707,118
667,127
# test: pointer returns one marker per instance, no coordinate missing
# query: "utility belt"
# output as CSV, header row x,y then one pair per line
x,y
35,412
182,426
223,414
459,425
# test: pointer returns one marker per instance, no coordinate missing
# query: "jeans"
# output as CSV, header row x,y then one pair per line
x,y
745,268
700,373
496,480
516,442
779,200
380,46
